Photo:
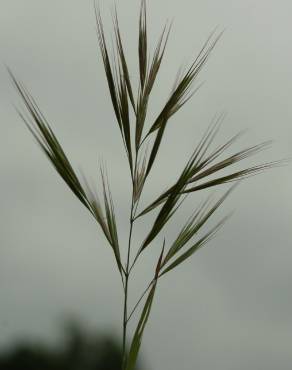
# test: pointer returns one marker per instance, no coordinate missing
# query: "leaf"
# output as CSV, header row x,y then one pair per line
x,y
158,139
124,114
118,83
137,339
152,206
139,179
201,165
179,96
182,92
97,210
239,175
159,262
155,147
186,233
123,60
157,59
145,91
142,48
198,174
111,219
107,65
200,243
44,135
206,140
42,132
136,342
168,208
194,225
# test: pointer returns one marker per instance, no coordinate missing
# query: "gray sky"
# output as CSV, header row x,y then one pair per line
x,y
230,306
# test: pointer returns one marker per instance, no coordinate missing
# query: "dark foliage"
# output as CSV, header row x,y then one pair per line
x,y
81,351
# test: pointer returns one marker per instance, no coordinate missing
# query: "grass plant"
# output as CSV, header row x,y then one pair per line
x,y
203,169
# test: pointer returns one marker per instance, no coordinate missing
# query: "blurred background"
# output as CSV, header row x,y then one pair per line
x,y
229,307
80,349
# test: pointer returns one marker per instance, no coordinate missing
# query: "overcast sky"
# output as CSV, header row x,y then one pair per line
x,y
227,308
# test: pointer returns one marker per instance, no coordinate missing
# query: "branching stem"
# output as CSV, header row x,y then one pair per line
x,y
126,286
139,300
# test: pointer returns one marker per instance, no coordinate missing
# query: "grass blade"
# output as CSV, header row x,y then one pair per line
x,y
118,83
123,61
107,65
200,243
42,132
168,209
205,141
194,225
142,46
139,179
155,148
145,91
124,114
239,175
182,92
201,165
49,144
137,339
111,219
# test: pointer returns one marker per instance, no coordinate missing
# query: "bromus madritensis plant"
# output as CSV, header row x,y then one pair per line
x,y
142,141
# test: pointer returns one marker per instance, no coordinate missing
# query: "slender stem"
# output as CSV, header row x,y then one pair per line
x,y
135,260
126,287
127,272
139,300
125,322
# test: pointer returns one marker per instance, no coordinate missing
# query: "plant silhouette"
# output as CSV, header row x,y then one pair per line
x,y
207,168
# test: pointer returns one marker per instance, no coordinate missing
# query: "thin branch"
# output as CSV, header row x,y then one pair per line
x,y
139,300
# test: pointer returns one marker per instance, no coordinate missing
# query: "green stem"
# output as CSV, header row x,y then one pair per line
x,y
139,300
127,273
125,323
125,316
